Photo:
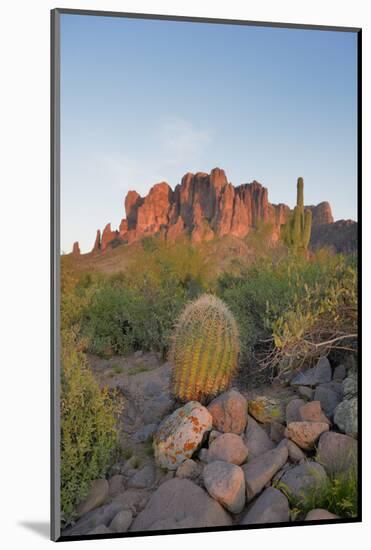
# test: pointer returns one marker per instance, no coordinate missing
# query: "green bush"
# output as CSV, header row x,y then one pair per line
x,y
276,304
121,313
88,435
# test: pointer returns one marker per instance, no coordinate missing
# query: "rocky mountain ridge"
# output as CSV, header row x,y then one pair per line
x,y
203,206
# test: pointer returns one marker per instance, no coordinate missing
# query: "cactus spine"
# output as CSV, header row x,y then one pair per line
x,y
297,230
204,349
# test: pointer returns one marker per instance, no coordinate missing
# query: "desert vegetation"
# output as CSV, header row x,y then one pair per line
x,y
244,319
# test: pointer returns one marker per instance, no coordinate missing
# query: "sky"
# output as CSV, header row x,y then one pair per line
x,y
144,101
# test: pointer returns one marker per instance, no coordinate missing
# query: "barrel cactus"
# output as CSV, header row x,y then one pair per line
x,y
204,349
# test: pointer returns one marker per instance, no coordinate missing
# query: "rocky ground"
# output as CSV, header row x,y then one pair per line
x,y
232,462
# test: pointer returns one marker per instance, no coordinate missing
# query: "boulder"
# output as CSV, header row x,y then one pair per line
x,y
189,469
202,455
350,386
229,412
329,395
93,519
336,452
116,485
144,478
318,514
226,483
305,434
319,374
97,495
270,507
228,447
260,470
257,439
134,500
295,453
346,416
121,522
213,435
339,373
266,409
180,504
181,434
303,477
277,431
306,392
312,412
293,410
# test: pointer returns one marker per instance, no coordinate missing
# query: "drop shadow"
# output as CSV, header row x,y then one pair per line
x,y
41,528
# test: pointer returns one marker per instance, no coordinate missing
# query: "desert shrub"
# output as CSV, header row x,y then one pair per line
x,y
106,321
88,417
321,316
204,349
281,306
338,494
137,309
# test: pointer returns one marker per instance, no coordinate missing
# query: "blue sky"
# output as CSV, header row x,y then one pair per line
x,y
147,101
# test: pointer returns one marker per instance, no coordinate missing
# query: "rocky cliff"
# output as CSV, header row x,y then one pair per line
x,y
202,206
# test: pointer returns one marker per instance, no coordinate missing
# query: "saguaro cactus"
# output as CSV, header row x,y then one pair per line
x,y
204,349
296,231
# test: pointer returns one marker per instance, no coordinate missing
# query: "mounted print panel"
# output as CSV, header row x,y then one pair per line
x,y
205,349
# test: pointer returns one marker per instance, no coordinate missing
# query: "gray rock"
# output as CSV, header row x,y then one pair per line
x,y
179,504
306,392
138,353
98,494
350,386
134,500
202,455
228,447
147,396
226,483
122,521
116,485
229,412
257,439
145,433
336,452
190,469
213,435
270,507
318,514
277,431
93,519
346,416
303,477
144,479
319,374
260,470
295,453
100,530
340,373
293,410
329,395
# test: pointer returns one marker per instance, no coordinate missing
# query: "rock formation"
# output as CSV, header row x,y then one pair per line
x,y
202,206
76,249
